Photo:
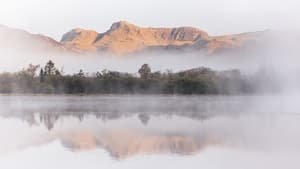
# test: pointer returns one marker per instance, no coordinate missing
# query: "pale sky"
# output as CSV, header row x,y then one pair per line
x,y
55,17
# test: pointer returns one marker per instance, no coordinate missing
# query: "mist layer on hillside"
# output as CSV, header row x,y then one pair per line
x,y
272,53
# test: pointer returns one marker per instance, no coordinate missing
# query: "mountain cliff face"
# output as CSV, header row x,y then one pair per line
x,y
80,40
124,38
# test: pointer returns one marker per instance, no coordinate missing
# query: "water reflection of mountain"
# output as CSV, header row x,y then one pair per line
x,y
124,144
120,143
127,126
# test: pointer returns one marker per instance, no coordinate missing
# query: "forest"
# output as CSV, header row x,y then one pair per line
x,y
36,79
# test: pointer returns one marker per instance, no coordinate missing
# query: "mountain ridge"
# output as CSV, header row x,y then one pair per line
x,y
124,38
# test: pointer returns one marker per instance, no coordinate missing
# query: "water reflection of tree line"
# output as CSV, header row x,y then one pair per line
x,y
49,119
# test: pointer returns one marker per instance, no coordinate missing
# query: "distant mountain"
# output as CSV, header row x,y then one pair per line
x,y
124,38
16,40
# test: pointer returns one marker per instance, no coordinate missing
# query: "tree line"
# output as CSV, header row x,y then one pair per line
x,y
50,80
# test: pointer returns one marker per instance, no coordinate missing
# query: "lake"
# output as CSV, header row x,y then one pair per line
x,y
149,131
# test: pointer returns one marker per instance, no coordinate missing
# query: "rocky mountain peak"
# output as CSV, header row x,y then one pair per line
x,y
122,25
78,33
80,40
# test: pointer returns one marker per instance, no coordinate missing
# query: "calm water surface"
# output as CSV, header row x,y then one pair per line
x,y
109,131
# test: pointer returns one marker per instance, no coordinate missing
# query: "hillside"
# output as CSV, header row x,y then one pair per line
x,y
16,40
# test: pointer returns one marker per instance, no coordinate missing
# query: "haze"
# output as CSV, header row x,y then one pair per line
x,y
54,17
226,101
